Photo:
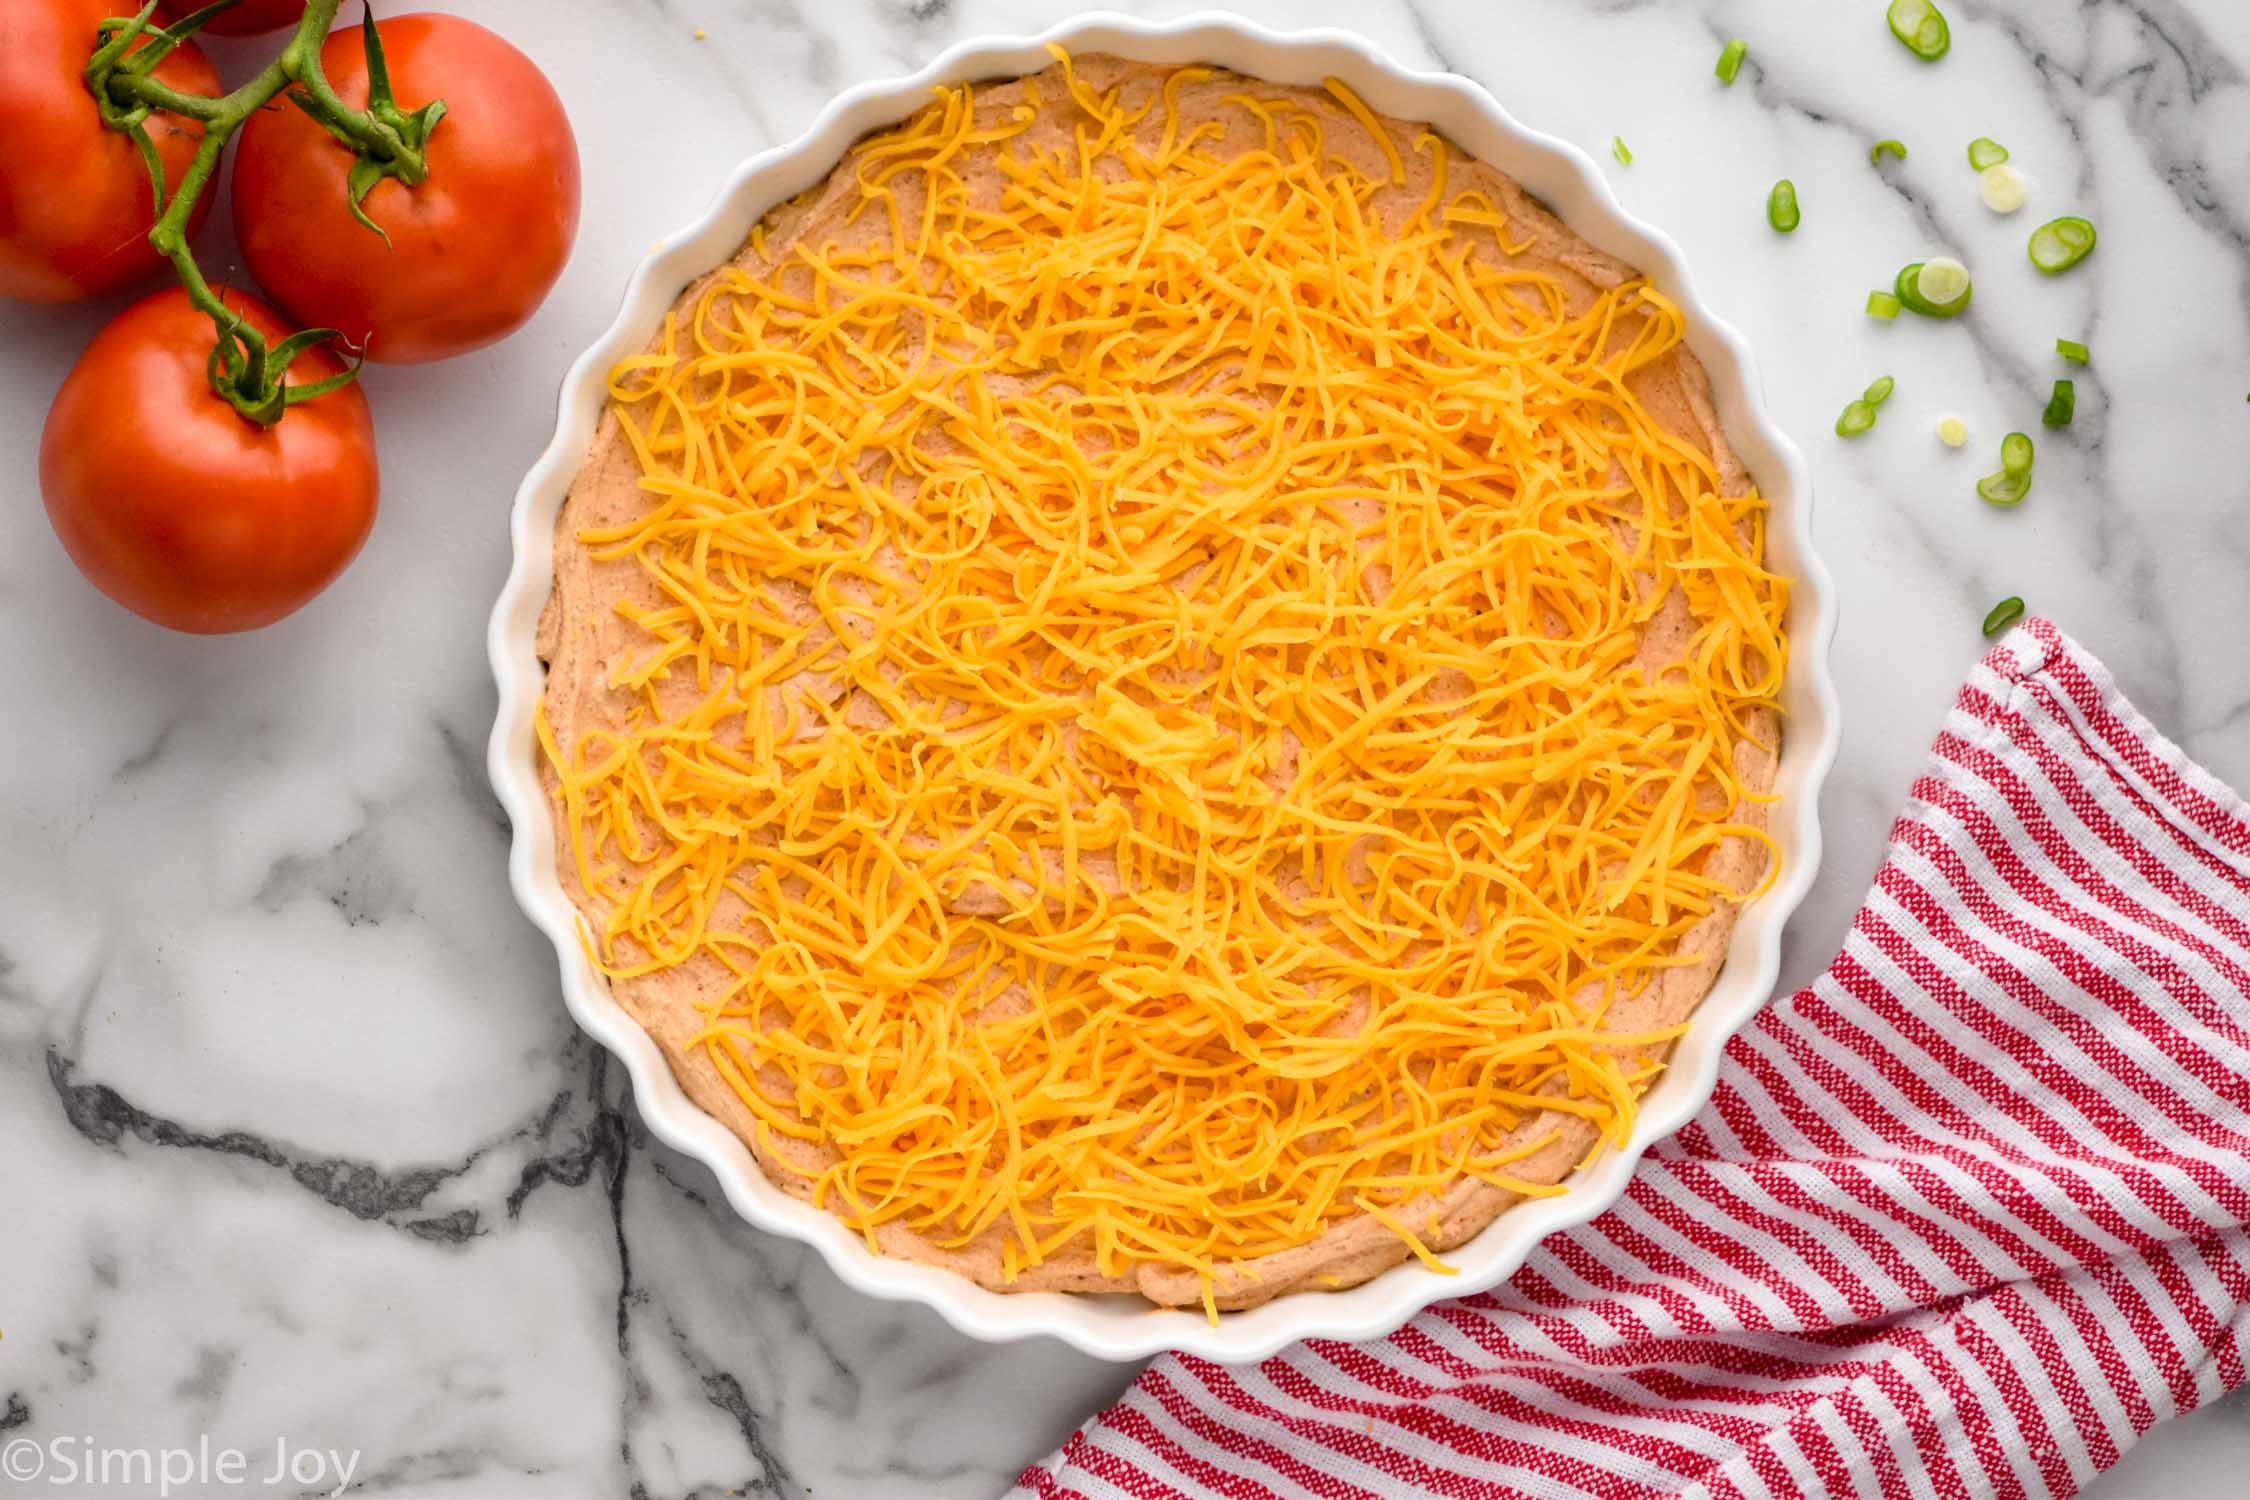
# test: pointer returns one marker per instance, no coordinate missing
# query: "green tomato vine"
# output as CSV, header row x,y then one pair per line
x,y
385,140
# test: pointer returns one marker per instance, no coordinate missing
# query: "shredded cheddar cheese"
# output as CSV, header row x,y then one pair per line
x,y
1140,731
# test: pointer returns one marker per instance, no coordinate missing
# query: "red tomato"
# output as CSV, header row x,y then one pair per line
x,y
177,506
75,203
473,247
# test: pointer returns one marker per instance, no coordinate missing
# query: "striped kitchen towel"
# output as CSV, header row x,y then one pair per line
x,y
1965,1217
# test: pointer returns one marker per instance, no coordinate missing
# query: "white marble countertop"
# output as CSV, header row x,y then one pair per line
x,y
296,1141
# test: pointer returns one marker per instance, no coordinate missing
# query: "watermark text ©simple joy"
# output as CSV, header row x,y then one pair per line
x,y
71,1460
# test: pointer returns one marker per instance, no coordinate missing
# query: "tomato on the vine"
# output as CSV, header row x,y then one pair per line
x,y
76,204
473,247
180,508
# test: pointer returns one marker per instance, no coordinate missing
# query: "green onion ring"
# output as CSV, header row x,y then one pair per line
x,y
2061,406
2015,453
1895,148
2059,244
2002,188
1855,419
2004,614
2071,350
1921,27
1882,305
1730,60
1620,150
1909,291
1879,392
1781,207
1984,152
2005,489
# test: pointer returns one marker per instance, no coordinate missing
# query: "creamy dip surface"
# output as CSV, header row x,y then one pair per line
x,y
591,646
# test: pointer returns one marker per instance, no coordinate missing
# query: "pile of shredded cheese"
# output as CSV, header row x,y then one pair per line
x,y
1142,697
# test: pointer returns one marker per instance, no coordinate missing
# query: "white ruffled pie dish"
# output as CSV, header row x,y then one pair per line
x,y
1123,1327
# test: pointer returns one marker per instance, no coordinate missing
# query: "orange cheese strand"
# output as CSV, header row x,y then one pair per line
x,y
1141,713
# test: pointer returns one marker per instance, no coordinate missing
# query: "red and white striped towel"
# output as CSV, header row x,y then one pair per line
x,y
1965,1217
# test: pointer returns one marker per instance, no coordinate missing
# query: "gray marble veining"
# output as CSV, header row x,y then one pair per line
x,y
296,1143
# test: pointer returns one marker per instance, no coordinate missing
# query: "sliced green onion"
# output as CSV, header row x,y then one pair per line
x,y
1879,392
2004,614
2005,489
1781,206
1856,419
1620,150
1935,288
1984,152
2059,244
2071,350
1882,305
2002,188
1952,431
1895,148
1919,25
1730,60
2013,482
1943,280
2061,406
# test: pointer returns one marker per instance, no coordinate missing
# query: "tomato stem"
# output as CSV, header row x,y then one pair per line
x,y
388,141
